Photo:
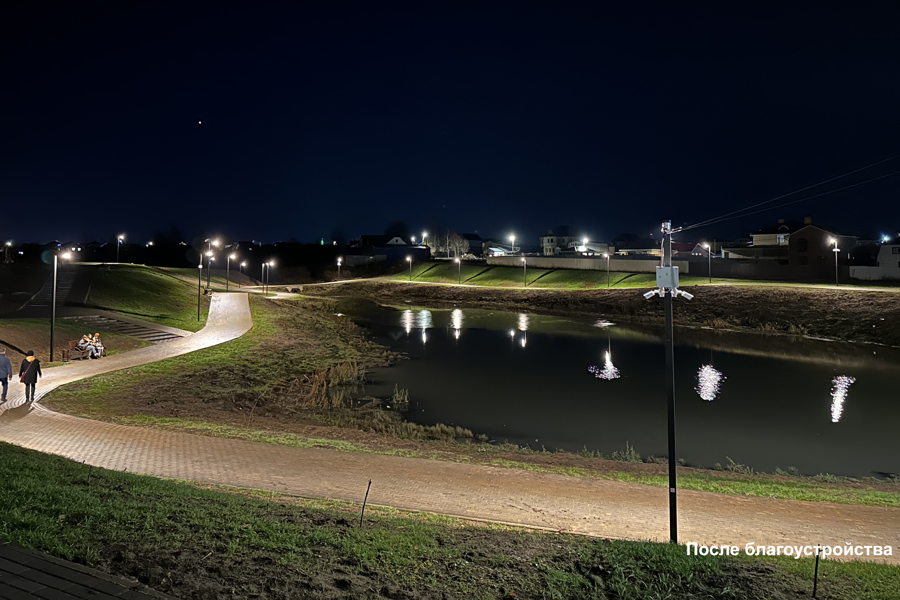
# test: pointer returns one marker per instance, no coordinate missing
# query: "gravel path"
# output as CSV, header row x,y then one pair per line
x,y
602,508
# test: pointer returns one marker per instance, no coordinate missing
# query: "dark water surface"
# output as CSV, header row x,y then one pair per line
x,y
525,379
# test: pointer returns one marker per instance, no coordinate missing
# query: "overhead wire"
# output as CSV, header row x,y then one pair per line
x,y
742,212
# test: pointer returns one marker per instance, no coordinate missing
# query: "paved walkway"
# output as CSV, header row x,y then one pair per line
x,y
602,508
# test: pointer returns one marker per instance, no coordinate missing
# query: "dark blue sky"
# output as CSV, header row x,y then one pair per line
x,y
498,117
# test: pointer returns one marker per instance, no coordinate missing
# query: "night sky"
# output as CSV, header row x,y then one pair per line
x,y
495,117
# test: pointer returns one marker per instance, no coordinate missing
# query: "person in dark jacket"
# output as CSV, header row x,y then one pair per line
x,y
5,373
29,372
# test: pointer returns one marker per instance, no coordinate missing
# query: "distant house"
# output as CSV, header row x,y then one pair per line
x,y
768,243
476,244
779,234
887,263
557,240
685,248
645,247
391,248
811,252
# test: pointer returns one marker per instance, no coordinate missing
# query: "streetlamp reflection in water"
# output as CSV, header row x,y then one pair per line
x,y
523,322
407,319
709,382
608,372
839,387
423,319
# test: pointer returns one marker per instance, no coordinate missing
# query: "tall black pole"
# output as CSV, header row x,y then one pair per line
x,y
670,389
53,309
227,271
208,270
199,284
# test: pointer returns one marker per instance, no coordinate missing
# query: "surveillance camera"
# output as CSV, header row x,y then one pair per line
x,y
686,295
649,294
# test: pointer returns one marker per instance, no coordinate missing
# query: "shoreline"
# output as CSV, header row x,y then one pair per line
x,y
854,316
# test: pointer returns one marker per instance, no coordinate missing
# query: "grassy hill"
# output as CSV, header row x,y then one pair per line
x,y
147,293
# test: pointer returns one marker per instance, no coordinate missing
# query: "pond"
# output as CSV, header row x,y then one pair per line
x,y
573,384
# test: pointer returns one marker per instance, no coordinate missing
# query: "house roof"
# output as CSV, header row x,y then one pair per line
x,y
380,241
647,244
785,227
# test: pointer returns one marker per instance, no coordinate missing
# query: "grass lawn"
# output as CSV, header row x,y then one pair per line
x,y
34,334
501,276
149,294
184,540
482,274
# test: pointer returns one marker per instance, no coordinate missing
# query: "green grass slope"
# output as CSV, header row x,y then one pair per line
x,y
501,276
147,293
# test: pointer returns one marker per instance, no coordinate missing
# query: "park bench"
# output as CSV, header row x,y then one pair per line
x,y
72,353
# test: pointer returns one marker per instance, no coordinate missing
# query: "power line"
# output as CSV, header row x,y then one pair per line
x,y
739,213
840,189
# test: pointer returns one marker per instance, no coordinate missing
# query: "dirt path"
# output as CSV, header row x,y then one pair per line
x,y
602,508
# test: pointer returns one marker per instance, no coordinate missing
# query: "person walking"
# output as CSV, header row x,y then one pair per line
x,y
5,373
29,373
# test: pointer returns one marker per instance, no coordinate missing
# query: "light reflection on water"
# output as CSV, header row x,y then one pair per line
x,y
772,413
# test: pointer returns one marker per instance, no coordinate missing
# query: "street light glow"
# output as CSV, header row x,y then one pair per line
x,y
67,255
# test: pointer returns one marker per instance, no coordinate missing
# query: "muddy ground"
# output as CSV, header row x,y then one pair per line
x,y
849,315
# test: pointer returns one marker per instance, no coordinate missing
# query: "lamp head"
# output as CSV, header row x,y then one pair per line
x,y
215,242
244,264
209,253
232,256
66,255
409,259
271,263
121,237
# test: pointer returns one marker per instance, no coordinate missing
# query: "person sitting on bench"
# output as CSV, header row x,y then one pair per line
x,y
97,345
86,344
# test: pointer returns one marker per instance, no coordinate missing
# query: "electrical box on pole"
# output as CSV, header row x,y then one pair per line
x,y
667,277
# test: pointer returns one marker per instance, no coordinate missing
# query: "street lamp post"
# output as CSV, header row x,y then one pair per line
x,y
458,271
584,243
228,270
262,278
339,267
836,250
409,260
512,244
119,241
208,267
607,268
199,284
53,304
241,273
709,261
524,272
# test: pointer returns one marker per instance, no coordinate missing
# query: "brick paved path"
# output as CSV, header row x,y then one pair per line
x,y
603,508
